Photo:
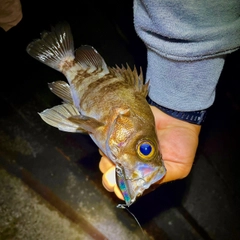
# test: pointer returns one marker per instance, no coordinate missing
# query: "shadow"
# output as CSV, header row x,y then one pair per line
x,y
166,196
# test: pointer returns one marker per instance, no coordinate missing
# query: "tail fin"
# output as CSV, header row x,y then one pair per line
x,y
54,46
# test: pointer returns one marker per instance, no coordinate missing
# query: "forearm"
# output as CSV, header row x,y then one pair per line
x,y
187,44
183,86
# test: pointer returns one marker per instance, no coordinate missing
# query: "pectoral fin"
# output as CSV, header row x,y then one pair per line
x,y
87,123
66,118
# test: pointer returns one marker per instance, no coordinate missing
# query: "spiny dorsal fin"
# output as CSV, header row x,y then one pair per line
x,y
132,78
90,59
62,90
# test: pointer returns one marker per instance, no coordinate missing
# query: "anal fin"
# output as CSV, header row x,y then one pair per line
x,y
62,90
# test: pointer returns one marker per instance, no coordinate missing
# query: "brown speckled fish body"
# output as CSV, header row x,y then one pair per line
x,y
107,103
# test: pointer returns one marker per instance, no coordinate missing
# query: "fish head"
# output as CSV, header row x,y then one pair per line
x,y
137,156
135,174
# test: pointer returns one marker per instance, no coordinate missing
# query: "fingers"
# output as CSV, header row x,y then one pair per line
x,y
109,179
175,171
109,182
105,164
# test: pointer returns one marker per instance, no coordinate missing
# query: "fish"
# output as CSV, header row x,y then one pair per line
x,y
108,103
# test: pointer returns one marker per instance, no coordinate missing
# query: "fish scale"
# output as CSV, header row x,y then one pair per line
x,y
108,103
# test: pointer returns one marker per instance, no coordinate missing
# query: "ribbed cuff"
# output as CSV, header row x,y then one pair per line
x,y
182,85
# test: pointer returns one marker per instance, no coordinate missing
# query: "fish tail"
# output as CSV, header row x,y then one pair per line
x,y
54,48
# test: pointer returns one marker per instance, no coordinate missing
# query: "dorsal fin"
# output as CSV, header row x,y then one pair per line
x,y
90,59
132,78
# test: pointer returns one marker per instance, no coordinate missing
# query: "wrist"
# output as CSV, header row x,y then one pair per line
x,y
194,117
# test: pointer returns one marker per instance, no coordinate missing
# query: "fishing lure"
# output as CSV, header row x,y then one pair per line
x,y
122,184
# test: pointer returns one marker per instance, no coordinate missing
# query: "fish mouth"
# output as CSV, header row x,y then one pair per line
x,y
141,179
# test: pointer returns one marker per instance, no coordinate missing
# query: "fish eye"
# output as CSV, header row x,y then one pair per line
x,y
146,150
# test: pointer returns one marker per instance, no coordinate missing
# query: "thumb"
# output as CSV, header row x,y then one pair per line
x,y
109,182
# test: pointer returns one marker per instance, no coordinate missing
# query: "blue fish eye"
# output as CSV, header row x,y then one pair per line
x,y
145,149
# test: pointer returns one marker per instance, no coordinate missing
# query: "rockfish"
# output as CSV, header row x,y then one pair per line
x,y
108,103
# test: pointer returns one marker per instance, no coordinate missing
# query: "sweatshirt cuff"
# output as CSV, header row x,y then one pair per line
x,y
183,85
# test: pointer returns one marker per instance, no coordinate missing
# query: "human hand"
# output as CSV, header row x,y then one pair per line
x,y
178,142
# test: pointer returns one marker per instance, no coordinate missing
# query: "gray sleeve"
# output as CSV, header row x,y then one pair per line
x,y
187,42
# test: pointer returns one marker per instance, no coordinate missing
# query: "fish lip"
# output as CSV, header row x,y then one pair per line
x,y
154,176
149,173
136,186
